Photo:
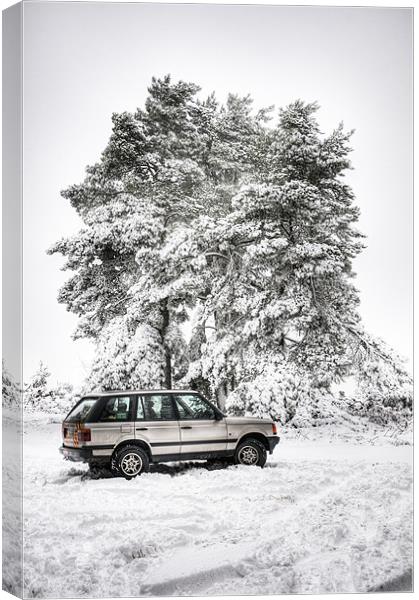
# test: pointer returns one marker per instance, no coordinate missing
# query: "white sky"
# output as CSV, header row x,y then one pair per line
x,y
84,61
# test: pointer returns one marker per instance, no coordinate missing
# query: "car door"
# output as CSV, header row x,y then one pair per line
x,y
115,423
157,424
200,431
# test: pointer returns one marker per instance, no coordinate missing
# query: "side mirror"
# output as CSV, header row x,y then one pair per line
x,y
219,416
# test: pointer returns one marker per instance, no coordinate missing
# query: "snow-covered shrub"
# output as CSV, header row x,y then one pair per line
x,y
381,408
385,388
318,407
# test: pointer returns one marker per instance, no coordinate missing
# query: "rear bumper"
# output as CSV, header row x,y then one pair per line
x,y
76,454
272,442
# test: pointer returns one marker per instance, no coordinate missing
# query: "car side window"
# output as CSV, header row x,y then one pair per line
x,y
140,409
117,409
191,406
158,407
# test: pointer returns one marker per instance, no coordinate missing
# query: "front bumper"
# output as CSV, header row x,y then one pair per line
x,y
272,442
76,454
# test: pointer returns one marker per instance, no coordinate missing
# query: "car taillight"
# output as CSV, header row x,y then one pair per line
x,y
84,435
65,432
274,429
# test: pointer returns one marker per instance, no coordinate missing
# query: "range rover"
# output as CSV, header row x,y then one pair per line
x,y
131,429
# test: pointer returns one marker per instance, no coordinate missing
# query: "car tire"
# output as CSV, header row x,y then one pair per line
x,y
250,452
130,461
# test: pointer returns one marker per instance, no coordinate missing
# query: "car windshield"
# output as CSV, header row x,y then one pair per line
x,y
81,411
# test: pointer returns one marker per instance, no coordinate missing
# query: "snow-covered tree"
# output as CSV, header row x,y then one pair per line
x,y
130,201
10,389
38,390
202,207
40,395
63,398
163,166
385,388
279,261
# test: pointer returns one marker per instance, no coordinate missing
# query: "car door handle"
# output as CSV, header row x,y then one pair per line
x,y
187,427
141,428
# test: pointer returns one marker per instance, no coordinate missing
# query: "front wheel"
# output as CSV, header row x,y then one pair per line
x,y
131,461
250,452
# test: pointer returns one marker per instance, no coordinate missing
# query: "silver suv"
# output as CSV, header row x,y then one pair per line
x,y
130,430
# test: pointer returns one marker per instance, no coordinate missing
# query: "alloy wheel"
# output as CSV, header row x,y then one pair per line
x,y
248,455
131,464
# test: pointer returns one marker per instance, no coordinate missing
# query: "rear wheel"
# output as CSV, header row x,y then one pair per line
x,y
130,461
250,452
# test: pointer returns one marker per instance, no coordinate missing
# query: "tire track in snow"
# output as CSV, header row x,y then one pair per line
x,y
238,530
199,569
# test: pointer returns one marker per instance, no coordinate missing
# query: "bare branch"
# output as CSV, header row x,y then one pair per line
x,y
218,254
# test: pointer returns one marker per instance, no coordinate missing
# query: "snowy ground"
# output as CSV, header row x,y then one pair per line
x,y
323,516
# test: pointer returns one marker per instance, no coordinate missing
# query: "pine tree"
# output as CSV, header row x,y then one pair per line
x,y
130,202
280,260
197,206
163,166
237,136
38,392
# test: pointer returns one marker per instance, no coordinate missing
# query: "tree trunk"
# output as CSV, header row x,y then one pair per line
x,y
167,353
167,369
221,397
222,390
